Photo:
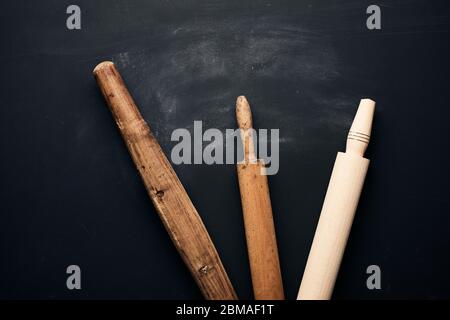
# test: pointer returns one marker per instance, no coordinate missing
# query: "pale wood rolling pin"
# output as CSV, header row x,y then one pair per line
x,y
257,211
338,209
168,195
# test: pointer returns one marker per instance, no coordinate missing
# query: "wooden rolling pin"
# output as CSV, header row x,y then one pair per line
x,y
257,210
338,209
168,195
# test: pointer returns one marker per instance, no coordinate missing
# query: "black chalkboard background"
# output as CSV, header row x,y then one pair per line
x,y
70,193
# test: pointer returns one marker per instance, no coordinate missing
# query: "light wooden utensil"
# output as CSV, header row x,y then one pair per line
x,y
168,195
338,209
257,211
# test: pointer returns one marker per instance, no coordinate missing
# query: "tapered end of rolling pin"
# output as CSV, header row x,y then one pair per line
x,y
359,135
102,65
245,123
243,113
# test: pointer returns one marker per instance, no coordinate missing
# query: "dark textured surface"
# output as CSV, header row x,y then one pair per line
x,y
71,195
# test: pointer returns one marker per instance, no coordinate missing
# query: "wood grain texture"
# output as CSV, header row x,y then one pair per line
x,y
168,195
333,228
338,210
257,211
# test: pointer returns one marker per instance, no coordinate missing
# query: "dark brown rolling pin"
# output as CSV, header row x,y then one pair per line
x,y
168,195
257,210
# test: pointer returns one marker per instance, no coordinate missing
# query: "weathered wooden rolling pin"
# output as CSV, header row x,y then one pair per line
x,y
168,195
257,211
338,209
